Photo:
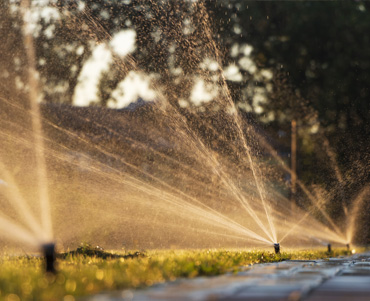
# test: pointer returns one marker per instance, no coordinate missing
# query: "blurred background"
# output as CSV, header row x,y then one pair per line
x,y
297,70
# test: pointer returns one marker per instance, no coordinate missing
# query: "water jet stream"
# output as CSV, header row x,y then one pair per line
x,y
353,214
17,232
230,224
18,202
253,167
214,164
196,197
36,120
299,183
232,188
335,166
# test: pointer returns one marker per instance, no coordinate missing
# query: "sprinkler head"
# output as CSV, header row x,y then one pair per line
x,y
277,248
49,255
329,248
347,245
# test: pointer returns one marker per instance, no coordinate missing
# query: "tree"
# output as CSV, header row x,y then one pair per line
x,y
11,53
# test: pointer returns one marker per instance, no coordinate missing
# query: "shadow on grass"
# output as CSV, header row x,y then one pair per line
x,y
87,250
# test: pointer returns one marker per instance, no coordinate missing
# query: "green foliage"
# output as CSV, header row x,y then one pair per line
x,y
86,271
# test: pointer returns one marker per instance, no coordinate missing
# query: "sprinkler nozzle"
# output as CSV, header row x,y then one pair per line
x,y
329,248
277,248
49,255
347,245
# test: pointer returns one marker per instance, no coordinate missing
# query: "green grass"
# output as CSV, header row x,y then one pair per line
x,y
23,278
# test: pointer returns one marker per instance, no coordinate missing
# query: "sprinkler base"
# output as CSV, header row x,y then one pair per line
x,y
329,248
277,248
49,255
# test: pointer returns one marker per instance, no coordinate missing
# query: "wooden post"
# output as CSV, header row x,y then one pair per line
x,y
293,165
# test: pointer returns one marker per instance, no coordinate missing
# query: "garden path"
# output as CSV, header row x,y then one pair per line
x,y
339,279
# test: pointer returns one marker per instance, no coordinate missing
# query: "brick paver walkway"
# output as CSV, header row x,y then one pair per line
x,y
339,279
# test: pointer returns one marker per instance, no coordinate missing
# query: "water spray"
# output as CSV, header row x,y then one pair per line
x,y
277,248
49,255
329,248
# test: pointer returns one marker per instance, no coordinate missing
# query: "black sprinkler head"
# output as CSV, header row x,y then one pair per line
x,y
347,245
49,255
277,248
329,248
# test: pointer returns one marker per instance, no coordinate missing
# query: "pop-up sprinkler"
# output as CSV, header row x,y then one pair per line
x,y
329,248
348,247
277,248
49,255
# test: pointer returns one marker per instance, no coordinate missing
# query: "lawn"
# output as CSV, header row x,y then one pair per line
x,y
85,272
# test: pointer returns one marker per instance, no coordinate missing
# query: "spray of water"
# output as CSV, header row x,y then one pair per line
x,y
158,176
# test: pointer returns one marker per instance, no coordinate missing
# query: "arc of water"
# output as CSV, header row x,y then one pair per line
x,y
213,216
260,189
296,225
201,230
243,201
72,134
227,181
142,184
247,206
224,178
300,184
223,217
237,121
36,121
355,211
319,206
313,228
17,232
337,171
214,164
234,236
110,130
19,203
